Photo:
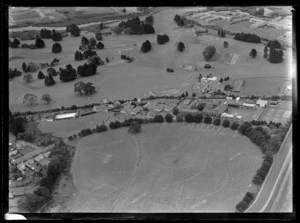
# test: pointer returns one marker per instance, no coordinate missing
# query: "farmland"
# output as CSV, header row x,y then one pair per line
x,y
169,172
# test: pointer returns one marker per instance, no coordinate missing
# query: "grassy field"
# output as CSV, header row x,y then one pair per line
x,y
65,128
148,71
180,168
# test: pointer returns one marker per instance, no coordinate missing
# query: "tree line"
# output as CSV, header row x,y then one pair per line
x,y
247,37
136,27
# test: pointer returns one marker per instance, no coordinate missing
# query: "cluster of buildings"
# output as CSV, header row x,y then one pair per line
x,y
278,23
212,16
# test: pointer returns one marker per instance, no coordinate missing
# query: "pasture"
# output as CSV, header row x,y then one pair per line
x,y
147,72
168,167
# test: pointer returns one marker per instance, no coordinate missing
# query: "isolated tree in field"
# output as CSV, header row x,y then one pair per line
x,y
67,74
135,127
15,43
253,53
194,95
100,45
180,47
175,111
169,117
47,98
234,126
266,52
56,48
73,29
89,88
51,72
39,43
226,123
27,78
79,87
49,80
198,118
161,39
225,44
146,46
217,121
221,80
30,99
99,36
209,52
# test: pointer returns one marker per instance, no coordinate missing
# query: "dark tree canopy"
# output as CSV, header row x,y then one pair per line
x,y
169,117
41,75
56,48
135,127
274,44
78,56
146,46
275,55
67,74
209,52
56,36
39,43
253,53
247,37
15,43
162,39
100,45
49,80
73,29
180,46
87,70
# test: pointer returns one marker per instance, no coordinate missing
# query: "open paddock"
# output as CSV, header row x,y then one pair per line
x,y
281,113
65,128
164,168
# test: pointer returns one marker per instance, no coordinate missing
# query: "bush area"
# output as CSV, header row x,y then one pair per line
x,y
162,39
136,27
247,37
60,162
14,73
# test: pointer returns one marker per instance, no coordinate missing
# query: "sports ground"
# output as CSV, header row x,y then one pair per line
x,y
176,167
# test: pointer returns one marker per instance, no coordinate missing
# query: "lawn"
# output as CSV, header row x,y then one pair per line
x,y
169,168
65,128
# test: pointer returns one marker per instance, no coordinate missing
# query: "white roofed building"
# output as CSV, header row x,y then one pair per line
x,y
262,103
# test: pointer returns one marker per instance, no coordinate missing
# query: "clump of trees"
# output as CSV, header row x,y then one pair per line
x,y
221,32
274,44
146,46
180,47
47,34
49,80
253,53
86,70
31,67
162,39
101,128
209,52
16,124
67,74
136,27
244,204
179,20
84,88
96,60
135,127
14,73
56,48
73,29
247,37
149,20
15,43
129,59
275,56
228,87
100,45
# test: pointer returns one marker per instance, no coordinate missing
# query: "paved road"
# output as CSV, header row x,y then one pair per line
x,y
33,153
275,178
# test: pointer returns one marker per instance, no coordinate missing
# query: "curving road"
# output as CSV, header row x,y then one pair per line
x,y
271,189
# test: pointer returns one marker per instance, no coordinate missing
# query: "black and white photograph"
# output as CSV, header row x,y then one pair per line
x,y
151,109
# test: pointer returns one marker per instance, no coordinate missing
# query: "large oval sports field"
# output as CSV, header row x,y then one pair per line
x,y
176,167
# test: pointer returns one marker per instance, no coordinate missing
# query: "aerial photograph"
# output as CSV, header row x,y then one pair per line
x,y
151,109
